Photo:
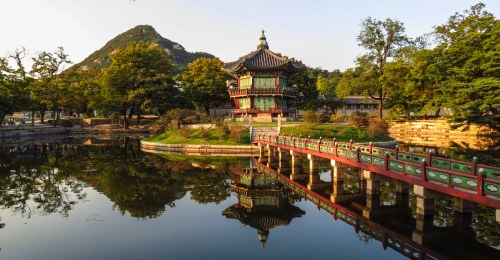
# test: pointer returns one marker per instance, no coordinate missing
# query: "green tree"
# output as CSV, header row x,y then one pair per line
x,y
204,83
14,84
83,91
327,85
307,92
383,41
137,78
470,53
49,88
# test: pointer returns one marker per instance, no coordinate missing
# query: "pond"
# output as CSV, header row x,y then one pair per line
x,y
106,199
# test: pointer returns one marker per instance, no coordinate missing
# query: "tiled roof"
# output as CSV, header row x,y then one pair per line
x,y
262,59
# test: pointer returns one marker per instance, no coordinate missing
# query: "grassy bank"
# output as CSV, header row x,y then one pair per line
x,y
342,133
201,136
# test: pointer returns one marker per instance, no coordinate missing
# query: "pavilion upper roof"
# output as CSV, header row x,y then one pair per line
x,y
262,59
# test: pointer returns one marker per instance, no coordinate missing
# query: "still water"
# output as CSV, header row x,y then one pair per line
x,y
105,199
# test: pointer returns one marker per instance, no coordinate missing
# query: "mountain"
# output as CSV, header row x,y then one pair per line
x,y
180,57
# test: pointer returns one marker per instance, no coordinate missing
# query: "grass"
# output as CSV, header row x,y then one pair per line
x,y
342,133
199,136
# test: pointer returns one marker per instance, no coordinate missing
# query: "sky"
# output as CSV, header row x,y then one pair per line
x,y
321,33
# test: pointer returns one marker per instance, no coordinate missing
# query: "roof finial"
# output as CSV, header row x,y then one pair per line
x,y
262,42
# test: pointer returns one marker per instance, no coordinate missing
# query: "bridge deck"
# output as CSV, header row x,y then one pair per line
x,y
467,180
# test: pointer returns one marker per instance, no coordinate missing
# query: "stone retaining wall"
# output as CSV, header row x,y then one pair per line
x,y
19,135
200,149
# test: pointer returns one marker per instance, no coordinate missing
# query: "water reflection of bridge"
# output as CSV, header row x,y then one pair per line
x,y
353,192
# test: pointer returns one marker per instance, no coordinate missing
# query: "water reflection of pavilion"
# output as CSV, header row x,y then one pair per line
x,y
263,203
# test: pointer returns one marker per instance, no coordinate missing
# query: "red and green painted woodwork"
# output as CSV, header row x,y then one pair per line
x,y
263,93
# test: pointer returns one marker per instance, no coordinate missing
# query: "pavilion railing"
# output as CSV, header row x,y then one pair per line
x,y
262,92
256,110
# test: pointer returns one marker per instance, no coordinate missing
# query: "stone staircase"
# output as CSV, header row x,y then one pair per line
x,y
264,131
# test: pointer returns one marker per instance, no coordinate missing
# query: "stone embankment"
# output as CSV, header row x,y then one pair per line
x,y
200,149
16,134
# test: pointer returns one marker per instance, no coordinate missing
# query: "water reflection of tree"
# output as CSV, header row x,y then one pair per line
x,y
443,212
387,192
463,152
139,185
485,226
143,185
35,184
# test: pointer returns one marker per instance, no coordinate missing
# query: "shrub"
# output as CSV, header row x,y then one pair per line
x,y
323,118
236,133
222,131
310,117
185,132
204,133
358,120
337,118
173,118
377,127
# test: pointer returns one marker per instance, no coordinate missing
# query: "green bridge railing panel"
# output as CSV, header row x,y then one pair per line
x,y
464,182
378,161
492,188
365,158
438,176
489,173
411,157
394,165
411,169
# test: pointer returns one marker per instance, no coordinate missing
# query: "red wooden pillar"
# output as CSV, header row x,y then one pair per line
x,y
422,169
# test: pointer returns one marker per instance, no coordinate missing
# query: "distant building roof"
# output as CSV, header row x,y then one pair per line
x,y
262,59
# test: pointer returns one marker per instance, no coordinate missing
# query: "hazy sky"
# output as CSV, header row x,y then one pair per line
x,y
320,33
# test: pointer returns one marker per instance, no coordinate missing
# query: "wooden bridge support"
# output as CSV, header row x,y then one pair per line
x,y
424,213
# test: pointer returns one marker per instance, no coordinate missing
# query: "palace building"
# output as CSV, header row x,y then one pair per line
x,y
262,90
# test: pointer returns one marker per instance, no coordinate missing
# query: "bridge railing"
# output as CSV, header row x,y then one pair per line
x,y
478,178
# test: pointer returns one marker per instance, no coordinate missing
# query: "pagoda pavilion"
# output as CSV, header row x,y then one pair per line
x,y
262,90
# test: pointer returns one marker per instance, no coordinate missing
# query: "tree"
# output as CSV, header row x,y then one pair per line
x,y
14,84
204,83
383,41
469,52
137,78
49,88
307,92
327,84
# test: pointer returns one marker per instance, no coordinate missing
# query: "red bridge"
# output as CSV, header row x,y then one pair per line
x,y
466,180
